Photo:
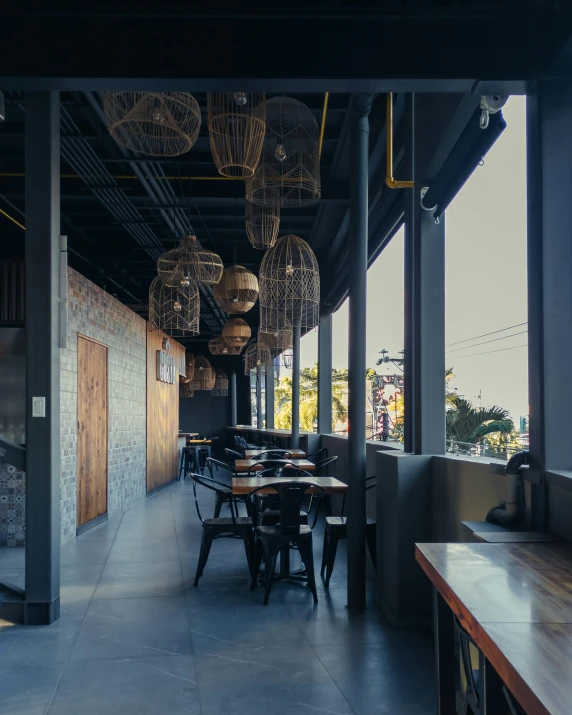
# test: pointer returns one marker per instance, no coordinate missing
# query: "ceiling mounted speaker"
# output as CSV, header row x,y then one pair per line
x,y
262,224
175,311
220,388
154,123
237,290
289,286
189,262
236,332
236,128
204,376
288,173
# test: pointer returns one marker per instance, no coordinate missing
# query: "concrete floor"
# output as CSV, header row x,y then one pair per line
x,y
135,637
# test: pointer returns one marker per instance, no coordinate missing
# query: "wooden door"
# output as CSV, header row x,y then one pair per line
x,y
91,430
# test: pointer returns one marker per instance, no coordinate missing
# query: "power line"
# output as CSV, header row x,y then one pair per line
x,y
487,352
484,335
494,340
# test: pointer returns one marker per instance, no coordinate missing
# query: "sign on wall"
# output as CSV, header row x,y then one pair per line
x,y
166,364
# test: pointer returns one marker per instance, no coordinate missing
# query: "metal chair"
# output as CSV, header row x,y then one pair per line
x,y
318,456
277,464
289,531
233,527
336,529
231,455
321,468
271,513
187,463
272,454
223,497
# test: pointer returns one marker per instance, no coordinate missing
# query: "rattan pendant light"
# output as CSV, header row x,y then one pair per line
x,y
175,311
262,224
289,286
204,375
256,355
189,368
217,346
154,123
189,261
187,390
276,341
236,332
237,290
236,128
288,173
220,388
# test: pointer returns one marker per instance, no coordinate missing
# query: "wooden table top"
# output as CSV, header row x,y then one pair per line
x,y
244,485
243,465
515,537
296,453
198,442
515,600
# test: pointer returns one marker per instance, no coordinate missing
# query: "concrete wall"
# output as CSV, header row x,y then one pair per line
x,y
96,314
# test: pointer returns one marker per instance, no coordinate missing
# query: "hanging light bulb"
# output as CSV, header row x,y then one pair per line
x,y
240,98
289,269
185,281
235,298
225,351
177,307
280,152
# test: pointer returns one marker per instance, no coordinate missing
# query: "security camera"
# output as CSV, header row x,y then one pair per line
x,y
491,104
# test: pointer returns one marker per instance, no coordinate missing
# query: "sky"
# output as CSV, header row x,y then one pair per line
x,y
485,286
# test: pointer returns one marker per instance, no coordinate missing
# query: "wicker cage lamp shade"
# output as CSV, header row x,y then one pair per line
x,y
175,311
217,346
237,128
256,355
189,369
236,332
262,224
290,285
154,123
237,290
220,388
187,390
288,173
204,376
189,261
276,341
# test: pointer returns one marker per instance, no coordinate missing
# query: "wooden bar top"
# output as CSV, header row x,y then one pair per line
x,y
243,465
296,453
515,600
244,485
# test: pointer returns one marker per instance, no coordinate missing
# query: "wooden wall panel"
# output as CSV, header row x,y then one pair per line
x,y
162,416
91,430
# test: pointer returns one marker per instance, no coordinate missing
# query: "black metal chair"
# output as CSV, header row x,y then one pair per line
x,y
318,456
324,467
336,529
187,463
231,455
261,465
288,532
468,674
242,444
270,515
233,527
223,497
272,454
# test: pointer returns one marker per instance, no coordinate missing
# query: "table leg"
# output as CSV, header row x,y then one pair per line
x,y
444,655
285,561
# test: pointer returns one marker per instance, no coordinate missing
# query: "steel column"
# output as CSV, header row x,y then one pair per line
x,y
259,422
295,442
233,409
358,236
409,278
549,155
42,358
270,396
325,374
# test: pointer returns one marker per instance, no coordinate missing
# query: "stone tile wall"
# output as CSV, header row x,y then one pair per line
x,y
95,314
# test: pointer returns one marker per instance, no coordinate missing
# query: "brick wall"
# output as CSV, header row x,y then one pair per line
x,y
98,315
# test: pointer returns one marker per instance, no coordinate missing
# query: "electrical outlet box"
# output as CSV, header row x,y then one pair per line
x,y
38,406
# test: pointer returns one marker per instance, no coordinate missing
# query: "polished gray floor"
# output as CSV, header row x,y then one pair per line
x,y
135,637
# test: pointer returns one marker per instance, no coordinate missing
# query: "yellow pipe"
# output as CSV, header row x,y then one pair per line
x,y
389,180
132,176
323,125
11,218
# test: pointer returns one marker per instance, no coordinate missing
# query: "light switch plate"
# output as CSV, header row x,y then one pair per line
x,y
38,406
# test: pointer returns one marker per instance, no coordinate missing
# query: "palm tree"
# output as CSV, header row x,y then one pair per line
x,y
467,423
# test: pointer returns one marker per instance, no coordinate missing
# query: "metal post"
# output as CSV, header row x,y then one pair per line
x,y
233,410
408,375
259,423
270,396
325,374
358,236
42,242
295,441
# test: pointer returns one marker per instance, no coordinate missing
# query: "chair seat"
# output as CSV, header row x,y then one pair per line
x,y
274,531
227,521
275,514
340,522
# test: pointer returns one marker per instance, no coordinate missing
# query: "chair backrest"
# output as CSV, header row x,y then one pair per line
x,y
272,454
292,495
240,441
289,471
218,488
232,455
277,464
318,456
325,464
211,462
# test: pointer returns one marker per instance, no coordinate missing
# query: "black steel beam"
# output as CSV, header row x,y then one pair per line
x,y
259,420
325,374
358,235
233,399
295,442
270,396
42,600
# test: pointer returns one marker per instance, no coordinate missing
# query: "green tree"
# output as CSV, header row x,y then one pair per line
x,y
467,423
